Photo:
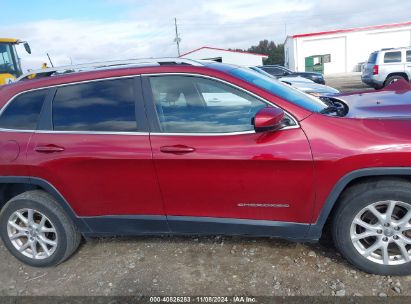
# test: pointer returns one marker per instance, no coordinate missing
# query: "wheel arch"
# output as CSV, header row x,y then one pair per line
x,y
11,186
402,74
354,177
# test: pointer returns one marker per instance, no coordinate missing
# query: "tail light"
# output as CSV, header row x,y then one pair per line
x,y
375,70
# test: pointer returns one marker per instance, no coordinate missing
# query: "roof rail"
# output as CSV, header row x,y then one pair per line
x,y
41,73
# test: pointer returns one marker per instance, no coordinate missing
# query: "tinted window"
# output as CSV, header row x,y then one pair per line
x,y
274,71
23,112
95,106
373,58
197,105
408,56
392,57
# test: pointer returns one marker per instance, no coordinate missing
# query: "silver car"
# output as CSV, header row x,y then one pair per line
x,y
303,84
387,66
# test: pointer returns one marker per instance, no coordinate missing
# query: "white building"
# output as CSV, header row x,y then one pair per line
x,y
342,51
225,56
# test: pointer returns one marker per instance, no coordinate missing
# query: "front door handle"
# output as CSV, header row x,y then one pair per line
x,y
177,149
48,149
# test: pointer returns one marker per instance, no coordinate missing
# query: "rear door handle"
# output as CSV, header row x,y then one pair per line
x,y
177,149
48,149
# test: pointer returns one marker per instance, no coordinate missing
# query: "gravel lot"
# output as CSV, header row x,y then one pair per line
x,y
347,83
201,266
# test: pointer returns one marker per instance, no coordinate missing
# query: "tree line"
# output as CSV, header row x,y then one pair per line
x,y
275,52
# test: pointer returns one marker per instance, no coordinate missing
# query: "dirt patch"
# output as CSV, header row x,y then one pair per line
x,y
197,266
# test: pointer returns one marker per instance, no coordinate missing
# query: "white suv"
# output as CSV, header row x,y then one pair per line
x,y
387,66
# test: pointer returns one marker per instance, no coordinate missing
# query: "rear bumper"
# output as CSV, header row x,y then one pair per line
x,y
372,82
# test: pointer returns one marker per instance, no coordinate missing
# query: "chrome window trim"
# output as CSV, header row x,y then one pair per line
x,y
76,132
92,132
296,126
68,132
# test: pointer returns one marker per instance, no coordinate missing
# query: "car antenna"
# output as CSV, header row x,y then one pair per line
x,y
50,60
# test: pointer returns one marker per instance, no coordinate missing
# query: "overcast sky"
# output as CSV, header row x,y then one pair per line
x,y
90,30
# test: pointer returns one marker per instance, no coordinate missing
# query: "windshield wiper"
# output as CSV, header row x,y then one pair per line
x,y
338,110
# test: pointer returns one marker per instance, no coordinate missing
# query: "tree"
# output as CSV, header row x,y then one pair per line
x,y
275,52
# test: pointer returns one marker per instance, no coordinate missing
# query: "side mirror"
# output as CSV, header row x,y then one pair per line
x,y
268,119
27,47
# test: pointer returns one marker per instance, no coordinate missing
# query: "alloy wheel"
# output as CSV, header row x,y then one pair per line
x,y
32,233
381,232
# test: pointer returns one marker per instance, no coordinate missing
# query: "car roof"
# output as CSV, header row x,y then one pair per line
x,y
394,49
25,84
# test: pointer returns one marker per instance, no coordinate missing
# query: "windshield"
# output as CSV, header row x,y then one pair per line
x,y
8,59
279,89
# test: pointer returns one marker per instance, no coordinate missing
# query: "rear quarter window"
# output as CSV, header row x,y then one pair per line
x,y
23,112
392,57
409,56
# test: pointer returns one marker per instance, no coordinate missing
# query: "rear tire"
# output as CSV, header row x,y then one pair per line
x,y
372,227
392,79
37,231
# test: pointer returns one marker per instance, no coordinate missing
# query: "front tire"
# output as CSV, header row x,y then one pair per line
x,y
372,227
36,230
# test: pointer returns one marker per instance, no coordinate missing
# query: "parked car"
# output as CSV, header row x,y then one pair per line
x,y
303,84
387,66
181,147
280,71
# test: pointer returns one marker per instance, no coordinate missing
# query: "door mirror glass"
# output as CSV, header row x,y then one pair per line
x,y
27,47
268,119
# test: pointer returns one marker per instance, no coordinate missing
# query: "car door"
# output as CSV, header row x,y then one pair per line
x,y
212,165
408,63
18,120
92,149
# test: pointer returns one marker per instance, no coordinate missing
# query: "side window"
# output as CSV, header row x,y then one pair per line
x,y
187,104
23,111
409,56
95,106
391,57
275,71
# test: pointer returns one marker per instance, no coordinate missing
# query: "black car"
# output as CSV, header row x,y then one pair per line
x,y
280,71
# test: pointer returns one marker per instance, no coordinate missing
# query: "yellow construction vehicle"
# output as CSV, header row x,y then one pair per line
x,y
10,66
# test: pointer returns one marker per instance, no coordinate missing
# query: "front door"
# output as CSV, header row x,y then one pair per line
x,y
210,162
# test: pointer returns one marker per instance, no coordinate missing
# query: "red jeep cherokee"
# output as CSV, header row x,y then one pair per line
x,y
186,147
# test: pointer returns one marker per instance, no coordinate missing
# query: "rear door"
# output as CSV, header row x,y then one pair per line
x,y
18,121
394,62
93,146
212,165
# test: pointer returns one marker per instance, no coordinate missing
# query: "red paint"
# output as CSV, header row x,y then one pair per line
x,y
225,171
355,29
98,174
268,118
218,49
213,175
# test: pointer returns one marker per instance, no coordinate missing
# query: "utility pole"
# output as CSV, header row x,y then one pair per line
x,y
177,40
285,30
